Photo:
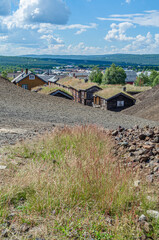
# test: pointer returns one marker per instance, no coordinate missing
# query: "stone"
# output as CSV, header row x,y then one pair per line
x,y
5,233
115,133
132,148
142,136
142,218
3,167
125,144
148,147
153,214
156,140
136,183
149,178
24,227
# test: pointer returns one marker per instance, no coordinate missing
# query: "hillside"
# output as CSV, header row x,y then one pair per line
x,y
28,112
147,105
49,61
122,59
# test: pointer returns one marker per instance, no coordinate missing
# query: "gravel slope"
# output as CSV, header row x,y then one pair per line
x,y
24,114
147,105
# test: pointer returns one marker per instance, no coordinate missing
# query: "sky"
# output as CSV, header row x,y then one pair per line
x,y
79,27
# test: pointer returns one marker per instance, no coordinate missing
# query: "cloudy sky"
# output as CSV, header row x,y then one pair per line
x,y
78,27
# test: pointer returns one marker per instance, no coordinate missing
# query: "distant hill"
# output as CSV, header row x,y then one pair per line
x,y
135,59
49,61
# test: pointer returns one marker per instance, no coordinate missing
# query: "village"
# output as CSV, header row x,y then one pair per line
x,y
74,84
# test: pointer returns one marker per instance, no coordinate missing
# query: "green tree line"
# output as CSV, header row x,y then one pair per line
x,y
117,75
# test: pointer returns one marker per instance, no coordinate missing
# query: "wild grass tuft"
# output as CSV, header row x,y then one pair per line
x,y
72,179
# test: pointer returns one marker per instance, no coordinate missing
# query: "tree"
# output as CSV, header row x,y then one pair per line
x,y
142,80
152,76
96,75
4,74
156,81
114,75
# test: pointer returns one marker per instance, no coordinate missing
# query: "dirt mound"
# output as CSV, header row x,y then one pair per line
x,y
25,110
147,105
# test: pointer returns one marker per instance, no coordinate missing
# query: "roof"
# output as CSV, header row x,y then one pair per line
x,y
64,93
109,93
50,89
78,84
23,75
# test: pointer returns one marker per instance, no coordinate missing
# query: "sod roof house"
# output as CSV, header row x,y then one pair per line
x,y
82,91
29,80
113,99
54,90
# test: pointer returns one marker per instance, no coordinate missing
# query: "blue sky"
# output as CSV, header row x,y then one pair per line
x,y
83,27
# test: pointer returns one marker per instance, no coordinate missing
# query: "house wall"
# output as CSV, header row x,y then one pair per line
x,y
112,104
89,95
31,83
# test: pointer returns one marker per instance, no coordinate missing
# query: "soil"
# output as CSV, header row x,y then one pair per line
x,y
147,105
24,114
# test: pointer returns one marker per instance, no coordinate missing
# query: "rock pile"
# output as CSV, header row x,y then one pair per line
x,y
140,148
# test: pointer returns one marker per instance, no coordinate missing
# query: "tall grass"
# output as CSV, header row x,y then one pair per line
x,y
72,179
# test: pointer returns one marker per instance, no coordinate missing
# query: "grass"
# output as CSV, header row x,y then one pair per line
x,y
71,186
129,88
76,83
50,89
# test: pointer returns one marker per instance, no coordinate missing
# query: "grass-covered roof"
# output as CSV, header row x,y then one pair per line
x,y
110,92
76,83
50,89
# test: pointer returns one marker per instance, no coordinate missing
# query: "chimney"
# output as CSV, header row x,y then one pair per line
x,y
22,70
26,71
124,89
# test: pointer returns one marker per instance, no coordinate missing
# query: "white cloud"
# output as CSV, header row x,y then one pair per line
x,y
3,38
118,32
49,28
148,18
51,39
127,1
5,7
38,11
142,44
82,49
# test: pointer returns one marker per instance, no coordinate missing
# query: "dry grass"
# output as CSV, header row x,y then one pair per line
x,y
70,185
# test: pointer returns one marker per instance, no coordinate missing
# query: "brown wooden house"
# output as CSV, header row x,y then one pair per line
x,y
28,80
113,99
82,91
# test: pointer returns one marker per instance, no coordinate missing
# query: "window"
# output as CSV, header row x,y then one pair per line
x,y
25,86
31,77
120,103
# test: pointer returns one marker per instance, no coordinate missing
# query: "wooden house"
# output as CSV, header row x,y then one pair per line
x,y
113,99
28,80
82,91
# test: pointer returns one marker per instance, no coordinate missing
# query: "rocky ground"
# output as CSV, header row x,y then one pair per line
x,y
24,114
138,149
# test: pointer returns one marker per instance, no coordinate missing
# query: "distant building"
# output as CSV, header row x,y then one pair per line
x,y
80,74
130,76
